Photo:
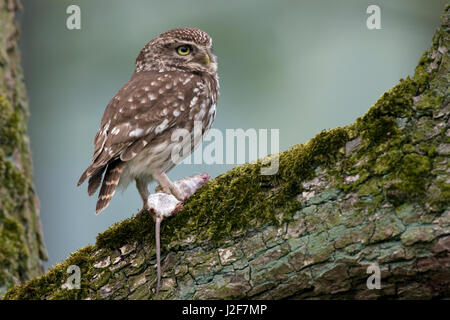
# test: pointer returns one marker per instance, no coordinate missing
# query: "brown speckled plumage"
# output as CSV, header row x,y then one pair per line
x,y
166,92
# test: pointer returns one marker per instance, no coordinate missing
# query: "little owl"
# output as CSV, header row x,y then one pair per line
x,y
174,85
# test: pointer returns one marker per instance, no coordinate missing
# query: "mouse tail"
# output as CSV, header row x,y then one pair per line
x,y
158,253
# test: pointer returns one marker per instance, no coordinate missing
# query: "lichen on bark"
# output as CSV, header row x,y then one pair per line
x,y
21,244
376,191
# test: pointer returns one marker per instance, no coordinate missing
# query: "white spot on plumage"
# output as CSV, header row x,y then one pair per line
x,y
162,126
212,109
153,83
176,113
106,127
136,132
161,91
186,81
193,101
152,96
168,85
130,99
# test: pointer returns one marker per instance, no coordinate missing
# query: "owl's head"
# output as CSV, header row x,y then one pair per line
x,y
187,49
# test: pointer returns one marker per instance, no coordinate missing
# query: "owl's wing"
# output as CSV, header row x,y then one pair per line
x,y
148,104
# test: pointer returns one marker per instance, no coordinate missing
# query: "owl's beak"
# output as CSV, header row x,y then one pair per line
x,y
207,60
212,66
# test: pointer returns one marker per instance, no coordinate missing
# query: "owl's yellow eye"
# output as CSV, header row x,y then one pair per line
x,y
183,50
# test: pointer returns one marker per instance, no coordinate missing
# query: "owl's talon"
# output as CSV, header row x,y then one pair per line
x,y
184,188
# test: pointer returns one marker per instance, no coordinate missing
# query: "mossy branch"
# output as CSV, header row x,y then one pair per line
x,y
376,191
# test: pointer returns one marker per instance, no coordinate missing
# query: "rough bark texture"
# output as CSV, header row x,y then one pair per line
x,y
21,245
376,191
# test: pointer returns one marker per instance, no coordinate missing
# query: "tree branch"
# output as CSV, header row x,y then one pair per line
x,y
21,244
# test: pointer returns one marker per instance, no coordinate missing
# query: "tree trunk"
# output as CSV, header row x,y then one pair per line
x,y
375,193
21,245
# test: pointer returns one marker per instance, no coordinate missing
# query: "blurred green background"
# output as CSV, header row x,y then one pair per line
x,y
298,66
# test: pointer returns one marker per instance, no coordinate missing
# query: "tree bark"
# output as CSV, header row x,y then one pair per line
x,y
21,244
374,193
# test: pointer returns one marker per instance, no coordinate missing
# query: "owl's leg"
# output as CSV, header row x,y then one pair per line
x,y
141,185
168,187
188,185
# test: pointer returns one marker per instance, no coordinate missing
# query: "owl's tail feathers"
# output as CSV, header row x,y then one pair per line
x,y
83,177
94,181
90,171
95,177
109,185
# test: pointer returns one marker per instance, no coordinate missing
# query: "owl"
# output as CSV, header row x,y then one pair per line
x,y
174,86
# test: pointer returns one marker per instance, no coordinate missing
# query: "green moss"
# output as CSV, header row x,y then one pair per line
x,y
413,171
11,126
380,130
369,188
14,191
395,103
127,231
387,161
439,194
429,101
13,252
429,149
421,76
408,148
50,285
